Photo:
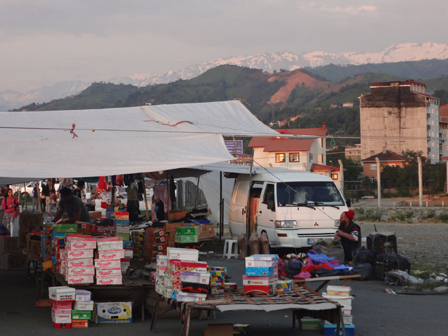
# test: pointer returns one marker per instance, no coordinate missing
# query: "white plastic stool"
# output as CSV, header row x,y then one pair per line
x,y
230,249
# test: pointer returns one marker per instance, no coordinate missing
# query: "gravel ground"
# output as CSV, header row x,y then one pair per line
x,y
418,242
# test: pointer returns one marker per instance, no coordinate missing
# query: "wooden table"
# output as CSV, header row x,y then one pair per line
x,y
324,280
301,301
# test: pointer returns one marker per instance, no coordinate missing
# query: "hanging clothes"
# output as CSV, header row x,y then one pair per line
x,y
160,191
102,184
172,191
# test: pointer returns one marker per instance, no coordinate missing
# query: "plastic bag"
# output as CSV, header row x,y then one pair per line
x,y
363,256
365,270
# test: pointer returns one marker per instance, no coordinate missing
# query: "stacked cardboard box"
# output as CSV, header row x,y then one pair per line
x,y
76,260
62,299
27,222
187,235
82,310
11,254
155,243
122,219
138,243
261,273
112,312
218,277
341,295
108,262
170,231
181,276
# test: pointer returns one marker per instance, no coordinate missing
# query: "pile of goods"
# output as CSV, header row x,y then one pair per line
x,y
341,295
180,276
261,274
70,308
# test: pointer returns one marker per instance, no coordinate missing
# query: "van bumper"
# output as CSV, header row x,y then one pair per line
x,y
299,238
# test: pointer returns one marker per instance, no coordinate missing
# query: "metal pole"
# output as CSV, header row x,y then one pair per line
x,y
378,179
146,199
341,177
38,196
220,207
420,181
248,209
26,194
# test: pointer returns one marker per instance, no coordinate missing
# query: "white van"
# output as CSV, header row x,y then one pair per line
x,y
295,209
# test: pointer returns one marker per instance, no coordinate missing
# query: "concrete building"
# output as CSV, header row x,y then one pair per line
x,y
397,116
353,153
387,158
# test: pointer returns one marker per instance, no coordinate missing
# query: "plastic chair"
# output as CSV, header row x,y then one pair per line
x,y
230,249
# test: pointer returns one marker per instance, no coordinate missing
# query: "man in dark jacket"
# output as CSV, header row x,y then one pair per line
x,y
349,234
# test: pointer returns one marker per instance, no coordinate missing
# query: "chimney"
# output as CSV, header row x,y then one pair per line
x,y
384,149
324,125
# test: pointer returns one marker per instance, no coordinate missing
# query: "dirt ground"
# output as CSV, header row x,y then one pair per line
x,y
418,242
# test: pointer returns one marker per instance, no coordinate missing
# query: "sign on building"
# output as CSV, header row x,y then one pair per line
x,y
234,146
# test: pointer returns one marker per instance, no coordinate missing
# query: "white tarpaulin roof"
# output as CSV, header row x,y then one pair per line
x,y
121,140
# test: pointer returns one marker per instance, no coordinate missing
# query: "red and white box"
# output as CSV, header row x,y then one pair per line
x,y
77,262
162,260
107,263
58,317
111,255
110,245
79,254
61,311
61,304
108,271
260,284
62,325
85,244
109,280
85,305
193,266
200,278
84,270
79,279
62,293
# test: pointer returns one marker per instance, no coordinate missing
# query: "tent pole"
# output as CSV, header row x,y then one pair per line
x,y
26,204
220,207
248,212
38,196
146,199
196,193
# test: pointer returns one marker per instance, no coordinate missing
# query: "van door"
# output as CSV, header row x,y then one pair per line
x,y
266,211
238,207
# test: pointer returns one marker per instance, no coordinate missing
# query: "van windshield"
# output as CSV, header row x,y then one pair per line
x,y
304,193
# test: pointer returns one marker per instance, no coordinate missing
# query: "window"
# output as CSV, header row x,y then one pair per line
x,y
373,167
293,194
294,157
280,157
311,157
268,193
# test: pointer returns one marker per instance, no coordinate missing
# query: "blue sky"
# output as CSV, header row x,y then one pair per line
x,y
43,41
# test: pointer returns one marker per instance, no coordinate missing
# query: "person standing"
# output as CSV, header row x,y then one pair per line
x,y
349,234
36,197
45,196
10,204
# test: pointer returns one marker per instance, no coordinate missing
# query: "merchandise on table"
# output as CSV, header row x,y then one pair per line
x,y
341,295
115,263
263,284
83,305
217,278
109,279
79,279
62,293
108,271
112,312
261,274
230,286
81,314
284,285
83,295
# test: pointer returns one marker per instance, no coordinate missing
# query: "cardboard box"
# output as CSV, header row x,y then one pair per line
x,y
110,245
62,293
77,324
79,254
192,266
187,231
61,304
29,221
34,249
81,314
62,325
77,262
23,233
206,231
83,295
242,329
338,290
220,329
186,239
183,254
10,245
111,255
95,214
83,270
330,329
343,300
112,312
109,279
14,262
116,263
108,271
83,305
310,323
171,227
87,244
79,279
259,271
87,232
190,297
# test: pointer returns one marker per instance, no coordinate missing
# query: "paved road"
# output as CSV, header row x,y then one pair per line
x,y
375,313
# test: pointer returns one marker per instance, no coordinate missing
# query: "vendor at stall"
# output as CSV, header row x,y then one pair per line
x,y
349,234
160,209
73,207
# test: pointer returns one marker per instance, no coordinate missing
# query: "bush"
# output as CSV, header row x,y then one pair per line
x,y
401,217
444,217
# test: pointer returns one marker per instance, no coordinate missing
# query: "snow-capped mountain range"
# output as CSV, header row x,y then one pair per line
x,y
268,62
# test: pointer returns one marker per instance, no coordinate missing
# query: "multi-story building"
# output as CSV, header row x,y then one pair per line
x,y
397,116
353,153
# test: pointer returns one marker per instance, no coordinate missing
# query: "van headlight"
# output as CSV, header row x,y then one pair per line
x,y
337,222
286,224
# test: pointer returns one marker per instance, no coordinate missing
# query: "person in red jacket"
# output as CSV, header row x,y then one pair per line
x,y
10,204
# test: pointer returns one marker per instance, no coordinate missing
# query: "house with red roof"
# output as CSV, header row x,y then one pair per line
x,y
306,151
386,158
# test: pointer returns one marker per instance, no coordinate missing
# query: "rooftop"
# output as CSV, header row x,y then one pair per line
x,y
271,144
385,156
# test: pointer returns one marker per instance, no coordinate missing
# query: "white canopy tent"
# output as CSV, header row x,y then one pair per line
x,y
115,141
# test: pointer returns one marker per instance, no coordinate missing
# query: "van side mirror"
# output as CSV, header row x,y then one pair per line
x,y
271,205
349,202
